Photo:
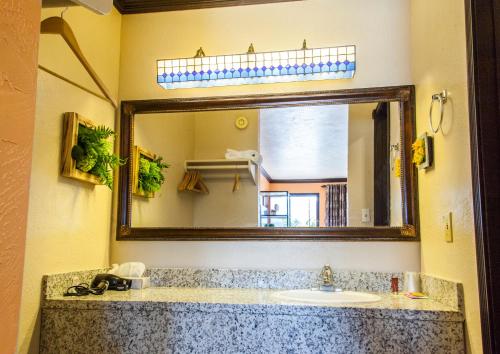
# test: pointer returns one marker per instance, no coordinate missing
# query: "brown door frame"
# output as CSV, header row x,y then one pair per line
x,y
381,165
483,52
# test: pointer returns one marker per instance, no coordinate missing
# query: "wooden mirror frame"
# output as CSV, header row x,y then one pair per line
x,y
405,95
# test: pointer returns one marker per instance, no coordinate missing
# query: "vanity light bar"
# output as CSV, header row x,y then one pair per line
x,y
257,68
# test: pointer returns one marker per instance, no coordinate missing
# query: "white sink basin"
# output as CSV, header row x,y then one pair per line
x,y
324,297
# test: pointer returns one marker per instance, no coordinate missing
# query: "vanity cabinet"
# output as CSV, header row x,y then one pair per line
x,y
237,311
195,327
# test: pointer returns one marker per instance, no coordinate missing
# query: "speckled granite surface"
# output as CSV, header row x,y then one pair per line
x,y
268,279
254,301
445,291
239,320
236,278
155,331
56,284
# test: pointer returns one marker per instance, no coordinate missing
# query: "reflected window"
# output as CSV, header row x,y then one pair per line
x,y
304,210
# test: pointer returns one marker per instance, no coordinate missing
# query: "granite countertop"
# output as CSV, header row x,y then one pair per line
x,y
253,301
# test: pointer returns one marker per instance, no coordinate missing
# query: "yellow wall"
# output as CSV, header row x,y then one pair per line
x,y
170,136
68,226
214,133
360,163
394,181
360,189
438,62
68,221
380,29
178,137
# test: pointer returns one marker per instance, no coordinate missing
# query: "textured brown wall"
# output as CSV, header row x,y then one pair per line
x,y
19,28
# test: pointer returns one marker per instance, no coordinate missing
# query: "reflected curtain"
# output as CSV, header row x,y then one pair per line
x,y
336,205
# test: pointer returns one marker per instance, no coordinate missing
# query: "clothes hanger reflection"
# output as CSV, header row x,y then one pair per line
x,y
193,182
236,185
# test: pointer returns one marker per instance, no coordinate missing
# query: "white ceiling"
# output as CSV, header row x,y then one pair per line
x,y
307,142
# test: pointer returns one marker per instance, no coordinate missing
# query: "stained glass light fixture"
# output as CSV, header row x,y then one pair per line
x,y
256,68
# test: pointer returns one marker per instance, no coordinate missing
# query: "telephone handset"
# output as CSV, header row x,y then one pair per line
x,y
99,285
112,282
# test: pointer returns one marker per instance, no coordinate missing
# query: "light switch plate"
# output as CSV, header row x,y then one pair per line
x,y
448,227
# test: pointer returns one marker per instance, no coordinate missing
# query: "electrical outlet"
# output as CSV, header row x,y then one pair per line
x,y
448,228
365,215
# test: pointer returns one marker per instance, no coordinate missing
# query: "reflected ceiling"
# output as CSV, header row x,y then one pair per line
x,y
307,142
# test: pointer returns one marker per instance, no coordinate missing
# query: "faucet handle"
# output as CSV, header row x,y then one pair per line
x,y
327,274
326,268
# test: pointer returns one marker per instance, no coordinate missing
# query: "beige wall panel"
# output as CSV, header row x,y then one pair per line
x,y
360,164
380,30
170,136
69,221
439,62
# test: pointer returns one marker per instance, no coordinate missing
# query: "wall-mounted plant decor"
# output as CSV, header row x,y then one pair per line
x,y
147,173
87,151
423,154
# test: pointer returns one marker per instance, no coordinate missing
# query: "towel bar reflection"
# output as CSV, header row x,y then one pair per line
x,y
441,97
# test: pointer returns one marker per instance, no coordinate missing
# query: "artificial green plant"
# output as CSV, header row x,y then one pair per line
x,y
93,153
150,174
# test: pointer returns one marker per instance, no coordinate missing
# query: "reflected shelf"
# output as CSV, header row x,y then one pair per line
x,y
221,168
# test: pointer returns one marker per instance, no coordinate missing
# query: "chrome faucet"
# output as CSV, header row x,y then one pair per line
x,y
326,279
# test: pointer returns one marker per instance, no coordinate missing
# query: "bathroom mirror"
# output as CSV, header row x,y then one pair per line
x,y
321,165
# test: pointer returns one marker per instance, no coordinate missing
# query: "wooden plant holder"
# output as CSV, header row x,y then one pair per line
x,y
137,153
71,122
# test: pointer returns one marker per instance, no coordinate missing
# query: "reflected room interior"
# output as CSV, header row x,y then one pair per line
x,y
312,166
